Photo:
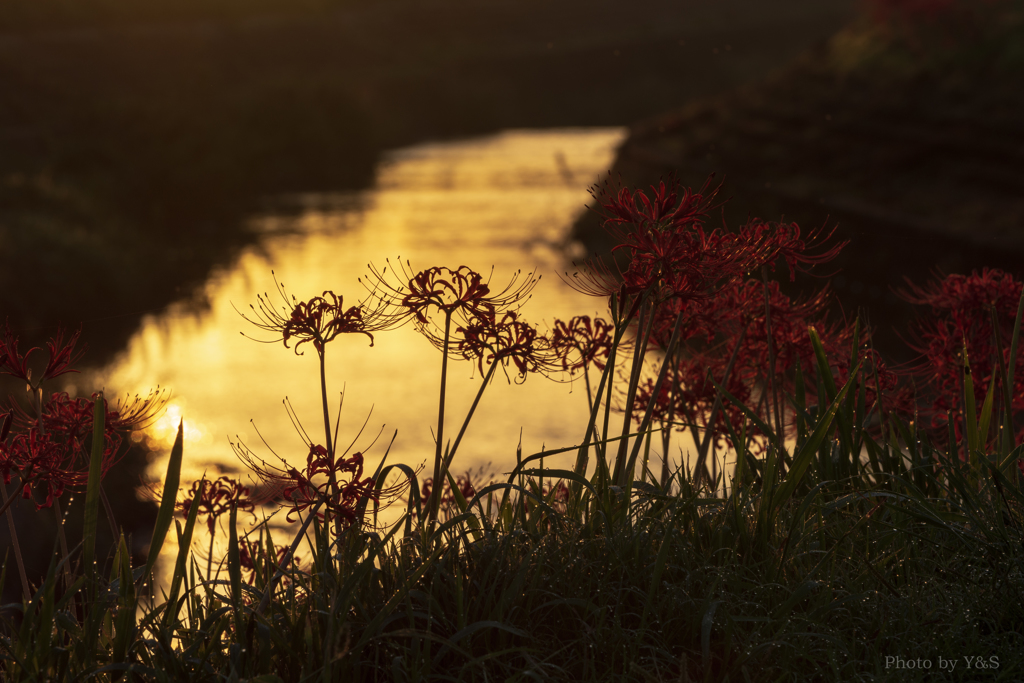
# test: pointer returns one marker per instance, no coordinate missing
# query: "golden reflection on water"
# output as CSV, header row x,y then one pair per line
x,y
505,201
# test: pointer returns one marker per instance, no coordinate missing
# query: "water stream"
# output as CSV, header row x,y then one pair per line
x,y
504,201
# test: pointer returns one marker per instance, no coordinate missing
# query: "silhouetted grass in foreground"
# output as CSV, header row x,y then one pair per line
x,y
854,531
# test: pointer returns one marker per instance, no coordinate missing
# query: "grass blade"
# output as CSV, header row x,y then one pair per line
x,y
806,454
167,502
92,491
184,547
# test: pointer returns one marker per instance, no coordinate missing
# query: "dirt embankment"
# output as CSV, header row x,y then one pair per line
x,y
919,166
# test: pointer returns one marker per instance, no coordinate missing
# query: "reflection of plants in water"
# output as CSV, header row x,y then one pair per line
x,y
838,469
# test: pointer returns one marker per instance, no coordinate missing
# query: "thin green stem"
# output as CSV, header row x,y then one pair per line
x,y
709,429
606,423
8,499
63,539
469,416
645,423
645,324
321,352
332,476
7,503
780,435
581,459
586,383
435,494
209,560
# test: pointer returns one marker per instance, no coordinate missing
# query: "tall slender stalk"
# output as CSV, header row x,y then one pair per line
x,y
779,431
709,430
645,324
469,416
329,445
581,459
605,425
435,494
8,499
646,421
327,413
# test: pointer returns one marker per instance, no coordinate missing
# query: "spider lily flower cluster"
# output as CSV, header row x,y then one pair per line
x,y
318,320
459,312
43,443
332,487
215,498
52,446
702,299
970,330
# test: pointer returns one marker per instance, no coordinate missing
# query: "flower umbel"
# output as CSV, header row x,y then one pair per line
x,y
460,293
62,355
318,320
215,498
303,489
582,342
505,340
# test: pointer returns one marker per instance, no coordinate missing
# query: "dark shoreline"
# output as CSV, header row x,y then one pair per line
x,y
919,171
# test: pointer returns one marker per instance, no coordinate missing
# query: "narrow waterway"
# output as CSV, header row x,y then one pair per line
x,y
504,201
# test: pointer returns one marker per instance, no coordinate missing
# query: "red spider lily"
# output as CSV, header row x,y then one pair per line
x,y
678,265
663,210
687,397
70,418
250,553
48,450
340,493
61,356
596,278
506,340
464,482
738,310
702,321
581,342
448,290
789,322
671,256
41,464
734,321
216,498
961,312
461,293
765,243
318,320
49,453
667,252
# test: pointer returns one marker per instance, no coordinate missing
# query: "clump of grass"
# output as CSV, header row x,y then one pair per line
x,y
854,530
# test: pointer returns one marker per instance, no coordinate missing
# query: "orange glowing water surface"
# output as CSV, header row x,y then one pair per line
x,y
505,201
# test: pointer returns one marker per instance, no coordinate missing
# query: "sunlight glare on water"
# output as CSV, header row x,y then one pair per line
x,y
505,201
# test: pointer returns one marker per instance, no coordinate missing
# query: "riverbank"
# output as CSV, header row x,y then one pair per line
x,y
914,157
